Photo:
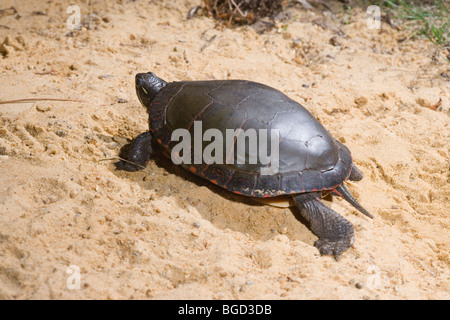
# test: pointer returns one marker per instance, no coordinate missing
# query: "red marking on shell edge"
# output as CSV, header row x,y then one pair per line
x,y
214,181
159,141
238,192
193,169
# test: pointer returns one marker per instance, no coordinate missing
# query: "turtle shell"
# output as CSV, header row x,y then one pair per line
x,y
310,159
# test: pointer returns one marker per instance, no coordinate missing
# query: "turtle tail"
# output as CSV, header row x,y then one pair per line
x,y
343,192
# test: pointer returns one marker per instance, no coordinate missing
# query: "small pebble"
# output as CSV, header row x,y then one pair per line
x,y
61,133
195,233
297,42
334,41
119,139
361,101
196,224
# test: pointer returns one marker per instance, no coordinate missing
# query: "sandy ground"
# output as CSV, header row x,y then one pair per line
x,y
161,233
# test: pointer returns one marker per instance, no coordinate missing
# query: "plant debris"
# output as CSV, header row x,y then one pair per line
x,y
8,12
424,103
243,11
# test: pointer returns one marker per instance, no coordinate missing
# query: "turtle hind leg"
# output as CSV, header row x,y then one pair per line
x,y
135,155
335,233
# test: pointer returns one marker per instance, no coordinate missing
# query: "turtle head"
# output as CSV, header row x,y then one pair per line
x,y
147,87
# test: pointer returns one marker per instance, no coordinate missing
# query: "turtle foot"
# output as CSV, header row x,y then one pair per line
x,y
335,233
136,155
334,247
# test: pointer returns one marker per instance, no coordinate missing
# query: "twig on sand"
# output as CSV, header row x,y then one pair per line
x,y
208,42
237,8
423,266
122,159
191,13
38,99
51,72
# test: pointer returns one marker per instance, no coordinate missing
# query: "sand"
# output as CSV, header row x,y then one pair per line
x,y
72,227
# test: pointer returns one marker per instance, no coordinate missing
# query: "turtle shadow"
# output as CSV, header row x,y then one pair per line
x,y
224,209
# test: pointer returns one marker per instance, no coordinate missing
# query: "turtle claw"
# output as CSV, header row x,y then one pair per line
x,y
127,166
333,247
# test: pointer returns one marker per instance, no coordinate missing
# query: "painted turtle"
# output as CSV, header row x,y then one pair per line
x,y
311,162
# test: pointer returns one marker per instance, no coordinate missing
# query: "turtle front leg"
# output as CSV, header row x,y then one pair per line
x,y
136,154
335,233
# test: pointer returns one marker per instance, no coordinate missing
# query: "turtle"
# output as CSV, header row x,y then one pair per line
x,y
312,164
